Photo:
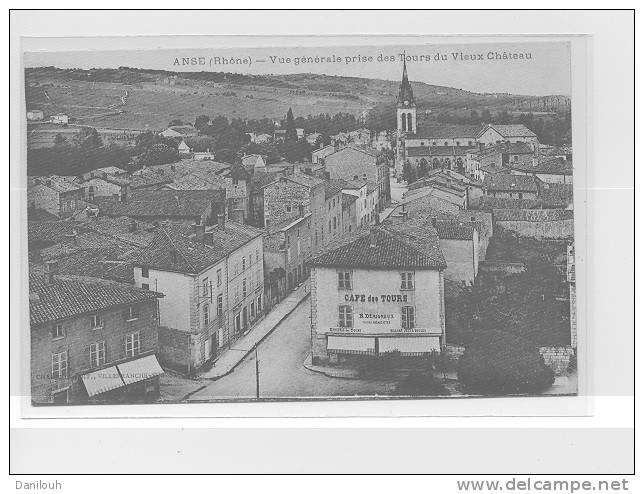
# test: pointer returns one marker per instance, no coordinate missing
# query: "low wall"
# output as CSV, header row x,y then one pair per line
x,y
501,267
540,224
557,357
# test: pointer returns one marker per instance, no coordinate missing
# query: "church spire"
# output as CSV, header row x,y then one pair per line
x,y
405,93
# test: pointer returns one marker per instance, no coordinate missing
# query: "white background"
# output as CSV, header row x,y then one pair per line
x,y
599,443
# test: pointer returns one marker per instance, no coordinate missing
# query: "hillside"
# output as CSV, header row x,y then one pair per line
x,y
149,99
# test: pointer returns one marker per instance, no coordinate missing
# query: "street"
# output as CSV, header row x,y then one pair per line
x,y
282,374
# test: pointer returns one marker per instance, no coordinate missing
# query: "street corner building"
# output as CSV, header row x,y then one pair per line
x,y
92,340
380,291
213,280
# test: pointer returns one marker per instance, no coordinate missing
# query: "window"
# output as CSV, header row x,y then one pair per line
x,y
145,272
204,287
132,344
329,226
132,313
243,264
59,365
219,277
244,287
95,321
335,223
407,317
344,280
259,303
406,281
252,310
97,354
206,315
345,316
58,331
289,208
220,304
145,286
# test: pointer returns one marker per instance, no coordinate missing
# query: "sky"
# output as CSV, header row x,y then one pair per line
x,y
536,68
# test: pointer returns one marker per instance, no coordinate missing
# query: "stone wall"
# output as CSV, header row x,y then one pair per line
x,y
557,357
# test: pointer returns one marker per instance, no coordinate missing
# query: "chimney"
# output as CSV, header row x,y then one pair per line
x,y
51,269
209,238
221,220
372,238
133,226
198,229
125,191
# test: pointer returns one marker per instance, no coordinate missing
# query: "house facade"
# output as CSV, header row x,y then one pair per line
x,y
92,340
380,292
213,282
56,195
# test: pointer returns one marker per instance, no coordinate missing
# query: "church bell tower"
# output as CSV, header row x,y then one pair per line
x,y
405,117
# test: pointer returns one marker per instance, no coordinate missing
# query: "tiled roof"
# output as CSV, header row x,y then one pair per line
x,y
396,246
110,263
455,230
38,214
174,250
415,151
446,131
261,179
488,203
513,130
303,179
532,215
332,188
69,296
348,199
555,195
510,183
51,231
154,203
504,148
59,184
550,165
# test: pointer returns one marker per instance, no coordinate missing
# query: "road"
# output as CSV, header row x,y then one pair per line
x,y
282,374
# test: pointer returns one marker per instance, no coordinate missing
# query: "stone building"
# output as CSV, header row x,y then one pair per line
x,y
92,340
377,292
504,185
362,164
57,195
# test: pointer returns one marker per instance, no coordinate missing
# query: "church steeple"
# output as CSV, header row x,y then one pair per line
x,y
405,93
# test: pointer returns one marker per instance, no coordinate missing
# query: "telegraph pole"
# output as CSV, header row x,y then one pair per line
x,y
256,373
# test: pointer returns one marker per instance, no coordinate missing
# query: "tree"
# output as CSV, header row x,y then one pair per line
x,y
486,116
59,140
409,174
422,167
89,138
202,122
420,384
497,362
160,154
291,133
175,122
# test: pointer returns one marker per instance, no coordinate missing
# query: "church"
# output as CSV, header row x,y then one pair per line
x,y
432,144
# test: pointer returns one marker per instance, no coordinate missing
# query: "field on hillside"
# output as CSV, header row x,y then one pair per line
x,y
154,105
141,99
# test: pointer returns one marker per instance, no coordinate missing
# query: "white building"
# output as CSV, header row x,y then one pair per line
x,y
35,115
60,118
213,282
379,292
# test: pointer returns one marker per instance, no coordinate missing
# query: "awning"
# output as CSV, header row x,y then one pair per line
x,y
102,381
351,344
140,369
409,344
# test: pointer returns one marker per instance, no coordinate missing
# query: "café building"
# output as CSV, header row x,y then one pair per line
x,y
378,292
